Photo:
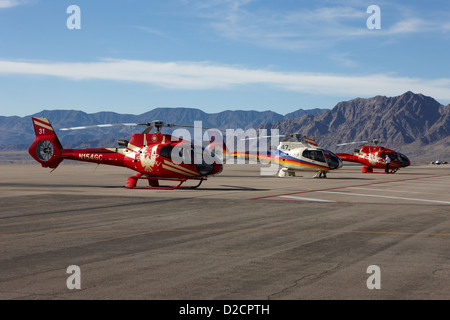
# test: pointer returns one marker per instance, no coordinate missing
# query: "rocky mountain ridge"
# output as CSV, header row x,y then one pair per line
x,y
17,132
414,124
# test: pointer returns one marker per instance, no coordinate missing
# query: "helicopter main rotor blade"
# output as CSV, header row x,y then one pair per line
x,y
287,138
108,125
195,127
263,137
148,129
350,143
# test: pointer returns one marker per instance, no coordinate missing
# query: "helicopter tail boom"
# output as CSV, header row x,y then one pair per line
x,y
348,157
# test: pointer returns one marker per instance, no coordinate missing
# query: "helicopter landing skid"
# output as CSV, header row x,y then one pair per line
x,y
154,183
367,169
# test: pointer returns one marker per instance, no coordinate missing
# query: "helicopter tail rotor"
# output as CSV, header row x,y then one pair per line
x,y
46,148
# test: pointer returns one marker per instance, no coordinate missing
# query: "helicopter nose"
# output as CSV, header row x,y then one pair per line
x,y
404,161
218,165
218,168
334,162
341,164
208,167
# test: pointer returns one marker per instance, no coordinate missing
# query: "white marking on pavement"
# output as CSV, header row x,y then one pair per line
x,y
387,197
307,199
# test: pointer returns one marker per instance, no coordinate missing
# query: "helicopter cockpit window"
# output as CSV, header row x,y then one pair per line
x,y
177,153
202,158
166,152
316,155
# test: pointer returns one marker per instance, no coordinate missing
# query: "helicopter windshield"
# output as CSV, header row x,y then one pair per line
x,y
397,156
333,160
404,161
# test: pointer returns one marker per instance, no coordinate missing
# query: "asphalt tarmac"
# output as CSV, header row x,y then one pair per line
x,y
241,235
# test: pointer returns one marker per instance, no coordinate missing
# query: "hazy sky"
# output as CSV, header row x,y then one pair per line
x,y
131,56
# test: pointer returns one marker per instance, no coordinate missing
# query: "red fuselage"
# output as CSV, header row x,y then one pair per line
x,y
375,157
152,155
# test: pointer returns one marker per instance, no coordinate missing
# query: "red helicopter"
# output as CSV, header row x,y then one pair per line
x,y
155,156
375,157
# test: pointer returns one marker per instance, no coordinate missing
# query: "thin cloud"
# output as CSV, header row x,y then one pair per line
x,y
304,28
152,31
417,25
289,30
209,76
10,3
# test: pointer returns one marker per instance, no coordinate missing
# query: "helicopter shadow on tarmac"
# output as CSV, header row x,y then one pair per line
x,y
224,188
349,178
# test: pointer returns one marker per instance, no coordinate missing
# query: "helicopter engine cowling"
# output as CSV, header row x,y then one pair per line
x,y
122,143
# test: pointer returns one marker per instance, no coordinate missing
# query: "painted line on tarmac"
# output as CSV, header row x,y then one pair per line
x,y
278,196
306,199
386,197
389,190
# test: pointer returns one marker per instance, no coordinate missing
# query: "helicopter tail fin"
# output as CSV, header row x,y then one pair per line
x,y
310,141
46,148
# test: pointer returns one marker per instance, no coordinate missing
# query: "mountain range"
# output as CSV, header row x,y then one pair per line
x,y
17,132
414,124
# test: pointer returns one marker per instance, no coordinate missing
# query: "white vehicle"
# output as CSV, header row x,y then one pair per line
x,y
439,162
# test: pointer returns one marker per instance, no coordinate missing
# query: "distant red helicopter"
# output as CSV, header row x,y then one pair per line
x,y
154,156
374,157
